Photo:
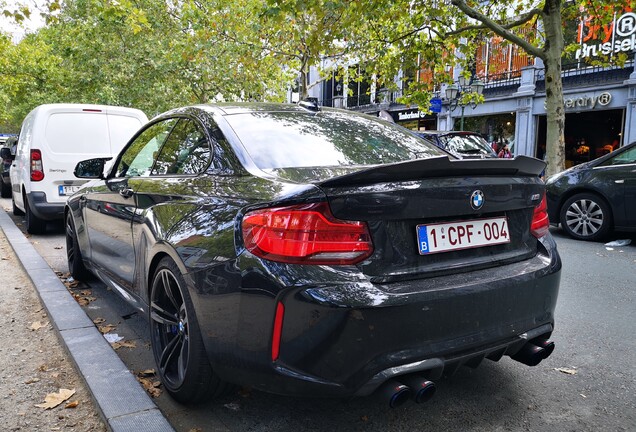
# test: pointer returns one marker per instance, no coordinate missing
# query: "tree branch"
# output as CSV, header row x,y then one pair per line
x,y
500,29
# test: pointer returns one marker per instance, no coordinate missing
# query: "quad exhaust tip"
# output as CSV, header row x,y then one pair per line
x,y
533,352
397,391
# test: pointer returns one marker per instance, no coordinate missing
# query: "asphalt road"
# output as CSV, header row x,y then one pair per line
x,y
595,341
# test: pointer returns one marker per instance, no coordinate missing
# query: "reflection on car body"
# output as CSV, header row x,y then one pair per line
x,y
464,145
280,251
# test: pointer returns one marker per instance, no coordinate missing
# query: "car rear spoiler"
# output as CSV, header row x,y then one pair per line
x,y
441,166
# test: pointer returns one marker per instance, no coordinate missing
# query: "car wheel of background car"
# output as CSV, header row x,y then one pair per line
x,y
6,190
176,339
16,210
73,254
34,225
586,217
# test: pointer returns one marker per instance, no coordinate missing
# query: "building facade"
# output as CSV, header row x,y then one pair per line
x,y
600,102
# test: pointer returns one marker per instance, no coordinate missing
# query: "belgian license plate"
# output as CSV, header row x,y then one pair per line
x,y
67,190
444,237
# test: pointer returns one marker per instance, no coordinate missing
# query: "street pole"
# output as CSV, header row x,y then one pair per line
x,y
461,122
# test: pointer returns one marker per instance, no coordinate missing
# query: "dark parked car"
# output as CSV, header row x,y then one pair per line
x,y
591,199
464,145
316,252
7,154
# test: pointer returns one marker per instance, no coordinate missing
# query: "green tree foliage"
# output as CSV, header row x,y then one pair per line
x,y
158,55
445,33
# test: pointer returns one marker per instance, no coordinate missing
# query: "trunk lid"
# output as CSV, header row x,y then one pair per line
x,y
394,199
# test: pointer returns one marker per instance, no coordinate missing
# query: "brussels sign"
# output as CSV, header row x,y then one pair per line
x,y
619,37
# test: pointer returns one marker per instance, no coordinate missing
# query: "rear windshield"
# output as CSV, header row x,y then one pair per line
x,y
80,132
466,144
292,139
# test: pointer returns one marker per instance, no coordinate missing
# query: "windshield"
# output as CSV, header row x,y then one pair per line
x,y
466,144
290,139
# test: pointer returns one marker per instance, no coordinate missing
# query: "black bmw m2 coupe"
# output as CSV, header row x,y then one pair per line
x,y
316,252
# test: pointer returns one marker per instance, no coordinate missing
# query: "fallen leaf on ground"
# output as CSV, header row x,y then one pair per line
x,y
73,404
99,320
54,399
37,325
566,371
124,344
4,258
152,387
106,328
196,430
32,380
85,292
146,373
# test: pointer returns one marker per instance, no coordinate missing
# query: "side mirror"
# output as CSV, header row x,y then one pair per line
x,y
5,153
91,168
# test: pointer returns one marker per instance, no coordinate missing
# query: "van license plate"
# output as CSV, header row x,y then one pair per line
x,y
68,190
444,237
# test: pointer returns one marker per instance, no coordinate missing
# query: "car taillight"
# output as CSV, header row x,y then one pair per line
x,y
37,170
305,234
540,222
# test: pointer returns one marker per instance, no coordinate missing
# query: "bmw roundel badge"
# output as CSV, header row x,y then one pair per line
x,y
477,200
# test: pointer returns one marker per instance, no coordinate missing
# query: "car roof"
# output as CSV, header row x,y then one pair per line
x,y
437,132
232,108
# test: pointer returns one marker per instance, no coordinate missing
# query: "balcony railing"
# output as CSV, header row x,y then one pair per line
x,y
381,96
587,76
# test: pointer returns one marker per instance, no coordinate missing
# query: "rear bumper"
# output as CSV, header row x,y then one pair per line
x,y
44,209
347,338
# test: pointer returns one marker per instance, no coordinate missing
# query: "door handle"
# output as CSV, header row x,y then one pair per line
x,y
126,192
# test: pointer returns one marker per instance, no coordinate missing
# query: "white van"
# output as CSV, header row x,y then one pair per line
x,y
53,139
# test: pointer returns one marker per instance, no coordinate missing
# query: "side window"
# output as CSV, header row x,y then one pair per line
x,y
140,155
186,151
625,158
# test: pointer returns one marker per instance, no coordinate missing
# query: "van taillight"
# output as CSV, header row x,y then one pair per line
x,y
37,170
306,234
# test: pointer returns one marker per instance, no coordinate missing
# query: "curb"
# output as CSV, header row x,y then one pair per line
x,y
122,402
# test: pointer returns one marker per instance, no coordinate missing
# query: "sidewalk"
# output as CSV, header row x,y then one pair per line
x,y
32,334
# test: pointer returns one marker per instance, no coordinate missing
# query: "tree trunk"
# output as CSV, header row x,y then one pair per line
x,y
302,86
555,110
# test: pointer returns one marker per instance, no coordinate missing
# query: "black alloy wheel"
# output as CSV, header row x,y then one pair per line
x,y
176,340
586,216
73,254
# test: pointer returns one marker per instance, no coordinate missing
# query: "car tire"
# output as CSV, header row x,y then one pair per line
x,y
76,266
34,225
16,210
6,190
180,355
586,216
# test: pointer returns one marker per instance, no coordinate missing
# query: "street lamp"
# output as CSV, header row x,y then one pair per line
x,y
454,94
